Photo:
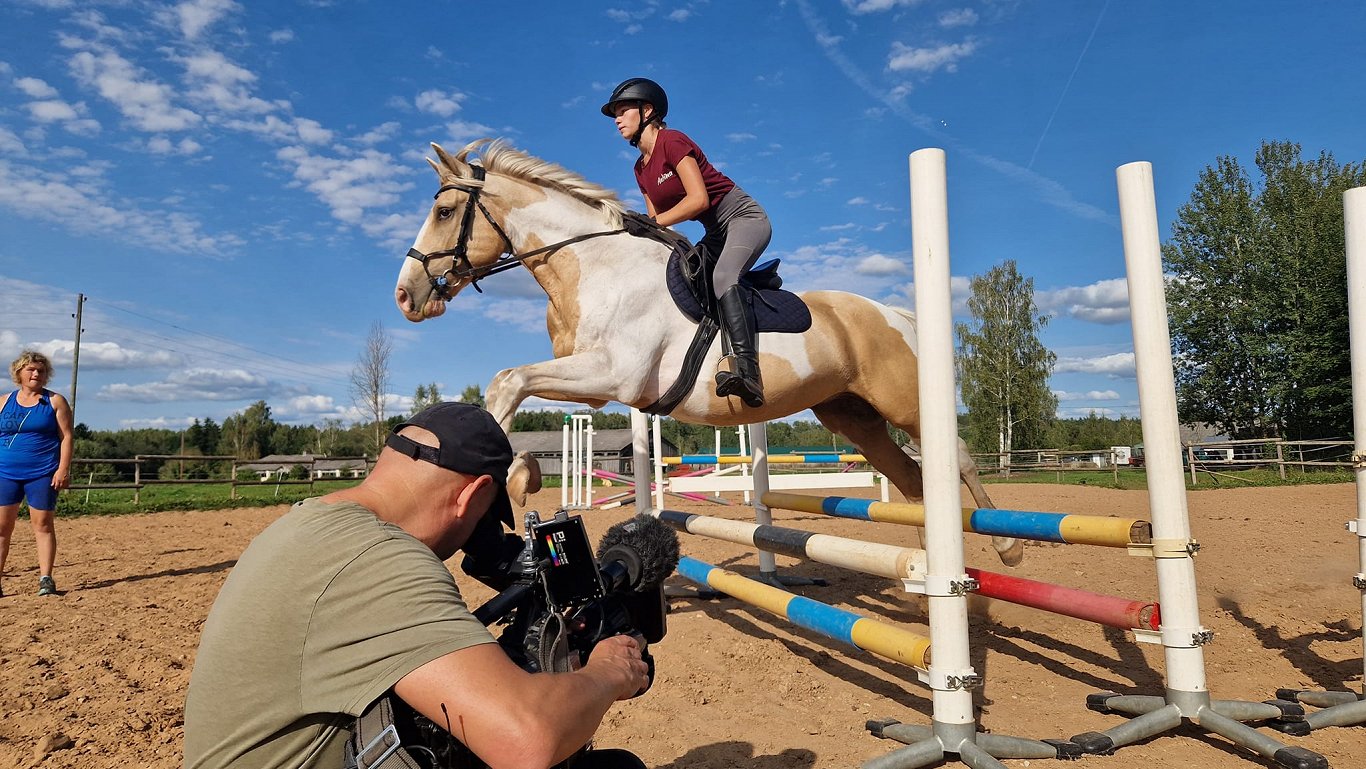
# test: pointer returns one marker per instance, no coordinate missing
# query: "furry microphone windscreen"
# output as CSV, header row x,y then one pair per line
x,y
655,543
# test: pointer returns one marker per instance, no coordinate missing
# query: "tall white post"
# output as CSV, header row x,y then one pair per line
x,y
1182,635
1354,215
640,459
658,460
566,463
951,670
758,443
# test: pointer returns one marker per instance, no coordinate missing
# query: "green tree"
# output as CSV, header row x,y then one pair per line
x,y
426,395
473,394
1258,299
247,434
1002,365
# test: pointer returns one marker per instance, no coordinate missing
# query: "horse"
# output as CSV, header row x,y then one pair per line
x,y
616,336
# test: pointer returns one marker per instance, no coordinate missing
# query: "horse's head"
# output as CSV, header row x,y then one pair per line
x,y
458,242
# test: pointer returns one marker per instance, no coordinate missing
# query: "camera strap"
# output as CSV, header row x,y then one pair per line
x,y
374,741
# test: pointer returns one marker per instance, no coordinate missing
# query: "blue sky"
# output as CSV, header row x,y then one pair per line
x,y
233,184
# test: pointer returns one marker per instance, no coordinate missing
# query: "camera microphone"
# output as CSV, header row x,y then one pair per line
x,y
637,554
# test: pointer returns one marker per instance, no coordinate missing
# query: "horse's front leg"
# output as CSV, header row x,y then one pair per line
x,y
587,377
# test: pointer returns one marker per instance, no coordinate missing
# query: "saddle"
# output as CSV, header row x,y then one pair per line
x,y
688,277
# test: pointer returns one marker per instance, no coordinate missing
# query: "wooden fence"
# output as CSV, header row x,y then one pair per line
x,y
141,480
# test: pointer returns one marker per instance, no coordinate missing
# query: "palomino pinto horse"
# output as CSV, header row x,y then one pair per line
x,y
617,336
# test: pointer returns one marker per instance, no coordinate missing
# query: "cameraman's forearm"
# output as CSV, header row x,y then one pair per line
x,y
511,718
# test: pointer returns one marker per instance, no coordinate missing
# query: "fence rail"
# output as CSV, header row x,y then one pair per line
x,y
140,481
1213,458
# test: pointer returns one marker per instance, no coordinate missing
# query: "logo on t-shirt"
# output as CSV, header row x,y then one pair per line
x,y
664,177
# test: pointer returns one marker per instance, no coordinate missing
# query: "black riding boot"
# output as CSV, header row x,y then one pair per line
x,y
737,319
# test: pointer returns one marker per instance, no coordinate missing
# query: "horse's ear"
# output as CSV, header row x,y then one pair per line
x,y
452,165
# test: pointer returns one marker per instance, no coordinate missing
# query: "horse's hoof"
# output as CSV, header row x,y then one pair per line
x,y
1013,555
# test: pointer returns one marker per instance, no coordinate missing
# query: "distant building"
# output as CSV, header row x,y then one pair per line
x,y
613,450
279,466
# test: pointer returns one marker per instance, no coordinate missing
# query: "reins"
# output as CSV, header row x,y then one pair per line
x,y
461,268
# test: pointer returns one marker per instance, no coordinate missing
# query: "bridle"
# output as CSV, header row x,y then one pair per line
x,y
461,268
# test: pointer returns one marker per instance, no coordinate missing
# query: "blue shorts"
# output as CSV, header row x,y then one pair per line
x,y
41,495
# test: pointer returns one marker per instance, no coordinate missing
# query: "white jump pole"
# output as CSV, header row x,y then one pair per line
x,y
657,434
565,465
1347,708
1354,214
640,459
758,442
1182,635
951,676
1187,696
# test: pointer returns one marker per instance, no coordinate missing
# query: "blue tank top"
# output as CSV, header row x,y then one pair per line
x,y
30,441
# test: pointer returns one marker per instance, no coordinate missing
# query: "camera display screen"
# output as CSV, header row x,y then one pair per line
x,y
573,577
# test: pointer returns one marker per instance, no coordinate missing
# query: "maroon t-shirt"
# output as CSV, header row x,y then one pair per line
x,y
659,180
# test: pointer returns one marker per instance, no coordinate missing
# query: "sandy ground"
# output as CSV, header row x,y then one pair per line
x,y
96,677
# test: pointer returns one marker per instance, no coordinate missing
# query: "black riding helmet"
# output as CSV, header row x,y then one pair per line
x,y
639,90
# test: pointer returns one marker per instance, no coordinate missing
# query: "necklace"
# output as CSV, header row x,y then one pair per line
x,y
20,428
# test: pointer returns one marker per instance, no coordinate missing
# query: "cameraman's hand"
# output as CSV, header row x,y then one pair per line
x,y
618,658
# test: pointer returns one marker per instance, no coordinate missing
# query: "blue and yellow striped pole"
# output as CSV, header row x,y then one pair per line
x,y
882,639
1069,528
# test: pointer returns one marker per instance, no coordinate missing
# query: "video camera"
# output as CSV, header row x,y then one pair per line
x,y
558,601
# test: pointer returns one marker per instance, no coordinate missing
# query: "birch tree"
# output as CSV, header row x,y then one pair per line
x,y
1002,366
370,382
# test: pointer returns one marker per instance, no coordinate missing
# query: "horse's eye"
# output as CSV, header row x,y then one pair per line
x,y
443,213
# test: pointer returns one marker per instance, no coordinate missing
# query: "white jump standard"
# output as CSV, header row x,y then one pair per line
x,y
1347,708
1187,697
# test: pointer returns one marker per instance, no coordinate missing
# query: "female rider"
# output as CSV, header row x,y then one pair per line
x,y
679,185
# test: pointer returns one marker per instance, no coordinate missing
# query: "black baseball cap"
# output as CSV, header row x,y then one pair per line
x,y
471,442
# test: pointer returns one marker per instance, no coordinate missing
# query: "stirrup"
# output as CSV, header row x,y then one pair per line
x,y
729,383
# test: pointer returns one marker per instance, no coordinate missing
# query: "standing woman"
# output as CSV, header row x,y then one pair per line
x,y
36,440
680,185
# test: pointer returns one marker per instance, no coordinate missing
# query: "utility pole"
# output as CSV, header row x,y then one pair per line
x,y
76,354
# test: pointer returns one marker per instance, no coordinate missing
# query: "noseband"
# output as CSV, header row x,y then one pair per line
x,y
461,267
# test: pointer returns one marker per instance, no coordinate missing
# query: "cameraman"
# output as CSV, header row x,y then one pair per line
x,y
346,597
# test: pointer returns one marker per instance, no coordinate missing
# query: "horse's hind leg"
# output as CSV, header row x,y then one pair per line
x,y
857,420
853,418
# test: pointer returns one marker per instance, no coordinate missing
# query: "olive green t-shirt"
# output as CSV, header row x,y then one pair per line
x,y
326,610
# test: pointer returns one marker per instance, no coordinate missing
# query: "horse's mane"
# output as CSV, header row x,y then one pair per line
x,y
498,156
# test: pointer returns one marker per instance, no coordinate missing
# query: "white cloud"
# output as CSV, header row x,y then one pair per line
x,y
51,111
160,145
348,186
47,196
881,265
904,58
280,36
681,14
35,88
194,16
193,384
874,6
146,103
10,143
379,133
1090,395
1120,364
213,80
107,355
958,17
858,201
1105,301
741,137
439,103
463,132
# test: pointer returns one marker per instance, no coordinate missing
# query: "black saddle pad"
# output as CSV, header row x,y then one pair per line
x,y
775,310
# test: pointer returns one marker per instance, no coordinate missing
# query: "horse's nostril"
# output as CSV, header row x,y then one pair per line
x,y
401,297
